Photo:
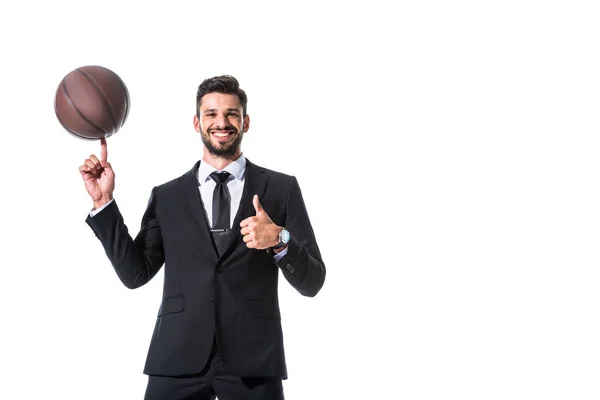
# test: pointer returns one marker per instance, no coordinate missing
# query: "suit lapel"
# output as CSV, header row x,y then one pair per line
x,y
196,209
255,183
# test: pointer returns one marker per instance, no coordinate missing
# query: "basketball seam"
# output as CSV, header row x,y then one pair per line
x,y
126,93
77,109
104,99
58,116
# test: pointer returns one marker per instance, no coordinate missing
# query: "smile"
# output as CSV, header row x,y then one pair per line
x,y
222,134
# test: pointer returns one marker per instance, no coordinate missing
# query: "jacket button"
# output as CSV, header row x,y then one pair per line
x,y
219,270
212,299
290,268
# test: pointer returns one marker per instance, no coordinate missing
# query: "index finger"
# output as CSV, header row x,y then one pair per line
x,y
103,150
245,222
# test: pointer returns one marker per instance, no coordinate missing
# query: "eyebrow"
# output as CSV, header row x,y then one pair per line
x,y
214,110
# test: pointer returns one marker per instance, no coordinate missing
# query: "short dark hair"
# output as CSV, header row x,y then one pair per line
x,y
221,84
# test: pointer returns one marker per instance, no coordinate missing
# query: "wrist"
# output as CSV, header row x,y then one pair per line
x,y
283,237
279,249
102,201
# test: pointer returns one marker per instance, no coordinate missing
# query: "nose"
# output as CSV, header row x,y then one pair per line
x,y
221,121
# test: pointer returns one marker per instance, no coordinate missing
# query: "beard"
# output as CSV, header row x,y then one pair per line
x,y
223,150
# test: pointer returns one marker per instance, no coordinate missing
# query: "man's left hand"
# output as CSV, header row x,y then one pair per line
x,y
260,232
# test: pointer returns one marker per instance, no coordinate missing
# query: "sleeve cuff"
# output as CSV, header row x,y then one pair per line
x,y
278,256
96,211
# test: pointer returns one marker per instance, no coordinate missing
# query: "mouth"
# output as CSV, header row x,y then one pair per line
x,y
222,135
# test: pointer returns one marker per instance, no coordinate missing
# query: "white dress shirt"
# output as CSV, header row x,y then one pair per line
x,y
206,185
235,184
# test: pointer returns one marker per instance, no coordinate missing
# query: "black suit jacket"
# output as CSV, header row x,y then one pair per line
x,y
233,296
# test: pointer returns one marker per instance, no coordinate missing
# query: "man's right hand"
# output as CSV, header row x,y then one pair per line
x,y
98,177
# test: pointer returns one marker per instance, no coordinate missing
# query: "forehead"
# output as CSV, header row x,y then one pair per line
x,y
220,101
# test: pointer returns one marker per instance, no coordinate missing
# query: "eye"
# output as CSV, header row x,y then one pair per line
x,y
211,114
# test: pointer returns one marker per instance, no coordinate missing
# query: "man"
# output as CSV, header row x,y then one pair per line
x,y
223,230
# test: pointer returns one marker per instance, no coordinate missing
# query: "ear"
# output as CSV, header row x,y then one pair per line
x,y
246,123
196,123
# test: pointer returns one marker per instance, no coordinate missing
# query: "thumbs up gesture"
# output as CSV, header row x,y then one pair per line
x,y
260,232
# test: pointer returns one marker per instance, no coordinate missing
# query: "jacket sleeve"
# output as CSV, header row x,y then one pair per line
x,y
136,261
302,265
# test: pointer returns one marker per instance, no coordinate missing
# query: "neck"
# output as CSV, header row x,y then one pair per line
x,y
219,162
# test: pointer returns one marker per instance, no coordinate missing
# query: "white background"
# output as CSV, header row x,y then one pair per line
x,y
448,157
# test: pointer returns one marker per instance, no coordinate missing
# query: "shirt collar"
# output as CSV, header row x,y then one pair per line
x,y
236,168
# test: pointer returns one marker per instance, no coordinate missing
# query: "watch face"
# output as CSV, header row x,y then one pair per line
x,y
285,236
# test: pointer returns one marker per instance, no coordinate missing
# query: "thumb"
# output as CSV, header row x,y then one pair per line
x,y
257,206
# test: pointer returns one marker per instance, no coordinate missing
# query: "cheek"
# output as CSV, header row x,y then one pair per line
x,y
203,126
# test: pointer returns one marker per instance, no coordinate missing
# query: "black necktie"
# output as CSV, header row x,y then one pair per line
x,y
221,201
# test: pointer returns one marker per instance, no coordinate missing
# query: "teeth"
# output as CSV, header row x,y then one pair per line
x,y
221,134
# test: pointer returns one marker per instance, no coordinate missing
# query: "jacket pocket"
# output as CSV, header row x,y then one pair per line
x,y
171,305
263,309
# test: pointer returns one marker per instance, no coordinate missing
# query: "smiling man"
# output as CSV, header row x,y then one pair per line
x,y
223,231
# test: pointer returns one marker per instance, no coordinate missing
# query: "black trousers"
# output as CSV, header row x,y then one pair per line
x,y
213,382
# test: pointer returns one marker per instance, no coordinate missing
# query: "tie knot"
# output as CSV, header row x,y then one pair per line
x,y
220,177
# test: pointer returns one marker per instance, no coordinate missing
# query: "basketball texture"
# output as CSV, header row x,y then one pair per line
x,y
92,102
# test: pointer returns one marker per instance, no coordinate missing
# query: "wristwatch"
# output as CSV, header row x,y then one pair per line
x,y
284,238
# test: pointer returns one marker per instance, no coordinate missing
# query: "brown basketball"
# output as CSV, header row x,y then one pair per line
x,y
92,102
